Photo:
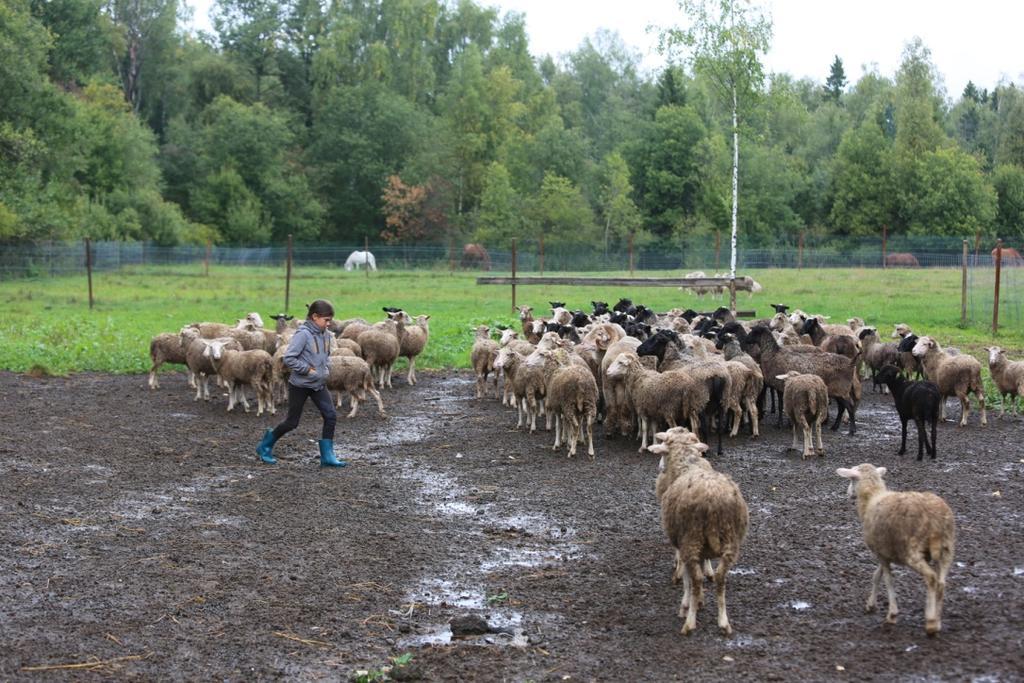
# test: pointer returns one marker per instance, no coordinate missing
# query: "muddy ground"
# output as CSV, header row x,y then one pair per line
x,y
140,533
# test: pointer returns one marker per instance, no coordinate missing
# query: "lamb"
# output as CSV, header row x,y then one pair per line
x,y
908,362
837,371
413,343
380,347
199,364
238,368
618,411
918,400
754,389
167,348
842,342
349,344
704,516
1008,376
509,363
877,355
659,397
352,375
571,397
527,321
909,528
482,357
805,401
954,375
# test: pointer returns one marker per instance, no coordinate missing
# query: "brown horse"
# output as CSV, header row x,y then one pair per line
x,y
475,256
901,259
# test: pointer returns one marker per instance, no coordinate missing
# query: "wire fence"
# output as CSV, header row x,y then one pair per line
x,y
55,259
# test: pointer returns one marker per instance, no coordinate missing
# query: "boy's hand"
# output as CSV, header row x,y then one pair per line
x,y
312,370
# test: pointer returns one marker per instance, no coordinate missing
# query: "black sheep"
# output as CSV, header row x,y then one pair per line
x,y
619,318
600,307
638,330
645,315
689,314
623,305
917,400
557,304
656,344
563,331
580,319
780,308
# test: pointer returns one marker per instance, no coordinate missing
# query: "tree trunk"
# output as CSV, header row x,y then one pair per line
x,y
735,180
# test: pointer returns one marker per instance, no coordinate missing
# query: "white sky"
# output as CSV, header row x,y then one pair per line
x,y
977,40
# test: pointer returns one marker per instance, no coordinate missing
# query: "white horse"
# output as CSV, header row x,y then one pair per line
x,y
360,258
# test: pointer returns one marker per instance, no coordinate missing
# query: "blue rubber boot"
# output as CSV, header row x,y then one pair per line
x,y
266,446
327,458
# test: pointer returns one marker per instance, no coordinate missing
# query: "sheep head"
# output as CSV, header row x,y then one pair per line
x,y
923,346
622,363
994,354
862,476
508,335
483,332
901,330
525,312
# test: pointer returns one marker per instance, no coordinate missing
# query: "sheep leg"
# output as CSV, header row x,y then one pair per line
x,y
932,624
876,579
191,379
723,616
590,437
411,377
693,573
821,446
199,387
643,433
890,617
903,436
480,383
965,409
337,398
574,433
231,397
942,408
240,388
934,449
753,411
793,446
922,438
980,395
154,383
558,433
808,445
680,571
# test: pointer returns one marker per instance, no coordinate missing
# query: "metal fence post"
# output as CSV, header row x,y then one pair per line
x,y
88,268
718,247
631,254
800,252
206,261
885,237
288,276
513,274
963,288
542,253
995,304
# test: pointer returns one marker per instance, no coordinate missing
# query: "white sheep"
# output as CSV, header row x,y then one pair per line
x,y
1008,376
413,342
167,348
239,368
482,357
955,375
909,528
704,516
805,402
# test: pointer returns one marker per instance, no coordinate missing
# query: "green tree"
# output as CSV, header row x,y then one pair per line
x,y
252,30
724,41
83,38
146,31
1008,180
948,195
862,183
500,216
836,81
562,214
620,215
1010,146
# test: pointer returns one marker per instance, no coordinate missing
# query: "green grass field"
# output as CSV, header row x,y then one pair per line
x,y
46,324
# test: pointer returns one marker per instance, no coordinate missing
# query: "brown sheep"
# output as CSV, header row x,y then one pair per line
x,y
958,376
909,528
704,516
482,357
805,402
352,375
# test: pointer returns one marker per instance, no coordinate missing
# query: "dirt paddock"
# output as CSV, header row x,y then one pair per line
x,y
142,539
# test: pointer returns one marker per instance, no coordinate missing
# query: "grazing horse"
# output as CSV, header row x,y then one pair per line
x,y
475,256
360,258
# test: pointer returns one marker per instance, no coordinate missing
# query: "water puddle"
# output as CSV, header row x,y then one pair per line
x,y
800,605
743,571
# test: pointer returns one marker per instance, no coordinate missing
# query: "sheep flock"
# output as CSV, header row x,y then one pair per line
x,y
680,381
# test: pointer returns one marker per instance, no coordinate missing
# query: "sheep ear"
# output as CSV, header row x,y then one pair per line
x,y
848,474
661,436
782,378
658,448
700,446
882,471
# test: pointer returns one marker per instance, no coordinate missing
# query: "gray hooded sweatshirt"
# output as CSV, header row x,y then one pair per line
x,y
309,347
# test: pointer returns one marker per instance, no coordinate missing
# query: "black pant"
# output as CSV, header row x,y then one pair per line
x,y
297,399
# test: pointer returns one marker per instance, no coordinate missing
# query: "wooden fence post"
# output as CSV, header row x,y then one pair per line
x,y
732,295
718,247
288,276
366,248
885,238
963,288
800,252
88,268
631,254
995,304
206,260
542,253
513,274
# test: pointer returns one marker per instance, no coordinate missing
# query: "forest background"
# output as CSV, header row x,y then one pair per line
x,y
419,122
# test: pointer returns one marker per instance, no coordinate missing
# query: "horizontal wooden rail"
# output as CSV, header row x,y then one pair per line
x,y
723,282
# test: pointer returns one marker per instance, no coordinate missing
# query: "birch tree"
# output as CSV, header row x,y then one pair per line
x,y
722,43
